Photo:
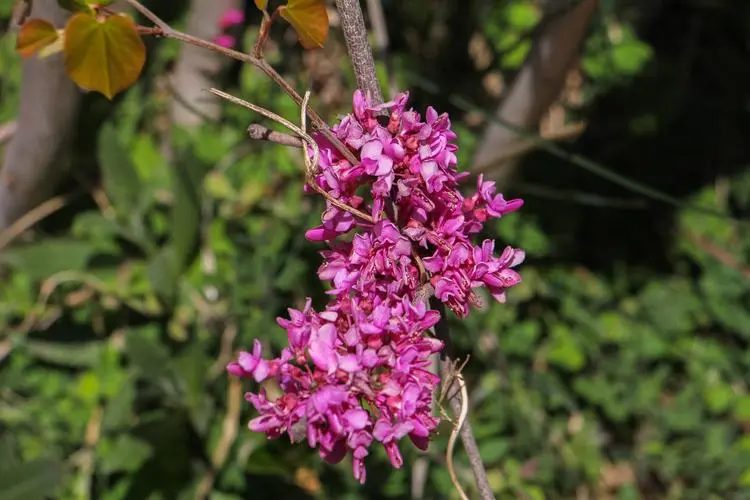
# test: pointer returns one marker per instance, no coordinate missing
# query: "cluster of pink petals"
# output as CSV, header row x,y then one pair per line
x,y
229,19
358,371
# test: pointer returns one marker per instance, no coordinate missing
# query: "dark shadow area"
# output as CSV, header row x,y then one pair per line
x,y
694,96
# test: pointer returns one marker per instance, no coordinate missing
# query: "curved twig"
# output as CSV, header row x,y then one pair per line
x,y
455,433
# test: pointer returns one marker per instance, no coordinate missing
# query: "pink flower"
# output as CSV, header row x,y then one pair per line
x,y
358,371
231,17
227,41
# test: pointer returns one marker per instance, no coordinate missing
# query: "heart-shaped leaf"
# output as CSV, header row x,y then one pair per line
x,y
34,35
309,19
103,54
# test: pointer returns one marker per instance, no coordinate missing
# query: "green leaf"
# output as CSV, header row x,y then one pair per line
x,y
119,411
146,353
630,56
48,257
493,450
105,54
163,274
741,409
522,16
75,354
31,480
125,454
186,213
564,350
121,181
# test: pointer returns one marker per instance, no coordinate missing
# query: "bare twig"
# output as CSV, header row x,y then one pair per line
x,y
452,376
259,132
457,402
32,217
259,63
355,34
310,166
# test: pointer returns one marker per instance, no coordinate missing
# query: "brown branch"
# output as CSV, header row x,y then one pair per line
x,y
360,53
260,133
259,63
442,332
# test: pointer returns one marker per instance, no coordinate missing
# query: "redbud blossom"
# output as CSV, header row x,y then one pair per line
x,y
359,371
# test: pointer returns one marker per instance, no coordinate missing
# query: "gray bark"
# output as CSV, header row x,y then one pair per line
x,y
196,67
37,156
537,85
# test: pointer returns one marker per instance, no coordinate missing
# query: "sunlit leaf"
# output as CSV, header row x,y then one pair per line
x,y
55,47
103,54
35,34
261,4
309,19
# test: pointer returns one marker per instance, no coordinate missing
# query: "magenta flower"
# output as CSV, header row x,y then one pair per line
x,y
226,41
358,372
231,17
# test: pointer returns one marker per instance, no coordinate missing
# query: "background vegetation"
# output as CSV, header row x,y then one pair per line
x,y
618,369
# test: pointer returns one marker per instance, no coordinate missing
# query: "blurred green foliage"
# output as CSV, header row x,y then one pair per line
x,y
118,319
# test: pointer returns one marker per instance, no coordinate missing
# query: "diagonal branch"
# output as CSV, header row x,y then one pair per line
x,y
457,404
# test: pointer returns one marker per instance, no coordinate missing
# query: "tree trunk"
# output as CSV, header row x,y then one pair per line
x,y
196,68
537,85
37,157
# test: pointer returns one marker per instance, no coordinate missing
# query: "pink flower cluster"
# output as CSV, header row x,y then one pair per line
x,y
358,371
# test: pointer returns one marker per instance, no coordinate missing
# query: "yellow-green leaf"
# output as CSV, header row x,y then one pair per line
x,y
261,4
35,34
103,54
55,47
309,19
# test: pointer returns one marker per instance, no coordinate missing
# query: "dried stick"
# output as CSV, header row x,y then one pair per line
x,y
258,132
